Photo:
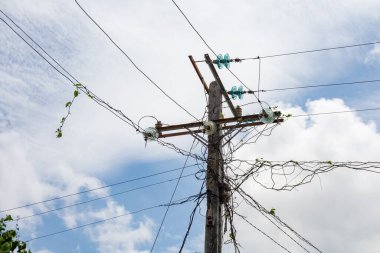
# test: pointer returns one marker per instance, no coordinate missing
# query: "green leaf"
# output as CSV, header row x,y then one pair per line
x,y
78,85
22,246
68,104
76,93
272,211
329,162
59,133
8,218
6,247
63,120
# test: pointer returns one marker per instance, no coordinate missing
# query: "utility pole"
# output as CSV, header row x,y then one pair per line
x,y
214,127
213,237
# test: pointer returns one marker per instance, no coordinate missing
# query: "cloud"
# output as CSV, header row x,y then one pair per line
x,y
44,251
373,56
121,235
337,211
36,166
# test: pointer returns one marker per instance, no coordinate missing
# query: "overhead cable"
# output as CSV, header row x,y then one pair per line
x,y
133,63
96,188
177,202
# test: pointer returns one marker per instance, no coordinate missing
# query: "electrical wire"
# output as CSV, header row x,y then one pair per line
x,y
117,112
171,198
97,188
322,85
83,88
22,30
336,112
262,232
306,51
105,197
133,63
312,51
209,47
177,202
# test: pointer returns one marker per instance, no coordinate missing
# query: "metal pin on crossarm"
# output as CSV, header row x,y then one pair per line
x,y
214,128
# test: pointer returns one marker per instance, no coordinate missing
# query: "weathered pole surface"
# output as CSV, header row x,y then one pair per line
x,y
213,237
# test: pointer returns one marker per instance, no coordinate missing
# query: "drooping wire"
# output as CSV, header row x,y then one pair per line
x,y
191,219
97,188
105,197
322,85
174,203
133,63
312,51
171,198
43,50
253,203
117,112
83,88
209,47
336,112
188,21
262,232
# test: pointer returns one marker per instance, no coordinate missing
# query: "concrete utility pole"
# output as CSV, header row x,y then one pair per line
x,y
214,127
213,237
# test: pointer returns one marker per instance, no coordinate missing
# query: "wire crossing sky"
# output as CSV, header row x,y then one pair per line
x,y
76,186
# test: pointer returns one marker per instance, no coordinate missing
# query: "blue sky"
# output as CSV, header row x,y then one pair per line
x,y
98,149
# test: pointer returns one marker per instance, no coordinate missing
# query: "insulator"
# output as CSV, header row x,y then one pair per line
x,y
239,111
223,61
233,92
150,134
227,61
219,61
209,127
237,92
240,92
267,116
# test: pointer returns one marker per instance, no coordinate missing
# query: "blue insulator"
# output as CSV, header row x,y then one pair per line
x,y
233,92
240,92
227,60
219,61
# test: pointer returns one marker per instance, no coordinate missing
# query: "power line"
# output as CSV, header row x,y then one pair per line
x,y
117,112
312,51
322,85
204,41
191,219
188,21
105,197
97,188
177,202
171,199
336,112
262,232
68,73
305,52
133,63
256,205
313,86
83,88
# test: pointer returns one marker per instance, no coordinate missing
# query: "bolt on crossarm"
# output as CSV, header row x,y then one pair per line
x,y
214,127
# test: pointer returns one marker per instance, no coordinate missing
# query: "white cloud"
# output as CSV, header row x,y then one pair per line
x,y
119,235
373,56
44,251
336,211
36,166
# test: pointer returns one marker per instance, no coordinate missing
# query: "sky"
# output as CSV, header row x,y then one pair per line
x,y
337,211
